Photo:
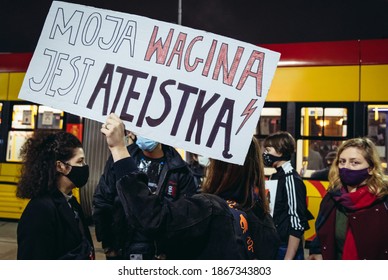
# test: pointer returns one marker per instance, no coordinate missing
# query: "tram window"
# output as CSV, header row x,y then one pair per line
x,y
25,119
313,155
22,126
270,121
50,118
319,121
377,124
23,116
16,140
336,122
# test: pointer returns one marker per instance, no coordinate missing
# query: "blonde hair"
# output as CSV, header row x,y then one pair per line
x,y
377,183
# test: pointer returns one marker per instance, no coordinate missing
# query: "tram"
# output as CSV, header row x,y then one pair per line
x,y
322,93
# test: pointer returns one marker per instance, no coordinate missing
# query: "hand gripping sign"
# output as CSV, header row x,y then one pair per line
x,y
183,87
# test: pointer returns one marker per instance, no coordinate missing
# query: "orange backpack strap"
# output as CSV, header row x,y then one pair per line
x,y
242,229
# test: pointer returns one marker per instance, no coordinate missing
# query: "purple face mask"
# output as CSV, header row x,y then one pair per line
x,y
351,177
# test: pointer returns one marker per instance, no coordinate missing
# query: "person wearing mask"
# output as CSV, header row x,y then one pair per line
x,y
352,222
52,226
169,177
290,212
228,220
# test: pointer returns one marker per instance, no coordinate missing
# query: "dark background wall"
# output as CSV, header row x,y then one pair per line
x,y
253,21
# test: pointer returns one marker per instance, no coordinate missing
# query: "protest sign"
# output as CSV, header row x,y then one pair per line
x,y
184,87
271,187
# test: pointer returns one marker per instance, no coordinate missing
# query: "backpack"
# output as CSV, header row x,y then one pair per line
x,y
241,227
260,225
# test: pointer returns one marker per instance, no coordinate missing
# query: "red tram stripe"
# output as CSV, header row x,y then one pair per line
x,y
14,62
318,185
335,53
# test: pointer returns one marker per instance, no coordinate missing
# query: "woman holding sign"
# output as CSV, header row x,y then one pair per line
x,y
229,220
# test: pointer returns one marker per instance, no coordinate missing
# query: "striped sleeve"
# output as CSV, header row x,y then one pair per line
x,y
293,203
296,198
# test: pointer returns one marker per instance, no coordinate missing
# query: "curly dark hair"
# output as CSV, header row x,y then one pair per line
x,y
39,155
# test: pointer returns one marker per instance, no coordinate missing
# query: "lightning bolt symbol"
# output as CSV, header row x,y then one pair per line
x,y
247,113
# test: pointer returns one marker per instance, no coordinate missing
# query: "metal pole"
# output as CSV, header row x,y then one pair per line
x,y
180,12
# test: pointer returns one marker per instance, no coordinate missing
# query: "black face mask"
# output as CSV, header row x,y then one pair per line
x,y
79,175
269,159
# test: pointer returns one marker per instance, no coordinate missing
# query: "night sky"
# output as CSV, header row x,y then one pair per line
x,y
253,21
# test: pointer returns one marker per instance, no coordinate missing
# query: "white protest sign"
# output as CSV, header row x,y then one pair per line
x,y
271,187
183,87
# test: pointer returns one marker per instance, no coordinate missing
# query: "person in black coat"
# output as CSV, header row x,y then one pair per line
x,y
169,177
290,212
228,220
52,226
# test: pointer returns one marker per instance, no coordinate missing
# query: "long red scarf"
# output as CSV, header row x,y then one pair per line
x,y
353,201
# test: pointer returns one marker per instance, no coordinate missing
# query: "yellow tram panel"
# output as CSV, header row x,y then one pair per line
x,y
374,83
11,207
316,190
4,77
328,83
15,83
10,169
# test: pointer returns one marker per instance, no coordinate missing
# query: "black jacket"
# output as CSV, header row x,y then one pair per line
x,y
111,227
197,227
321,175
290,214
48,230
